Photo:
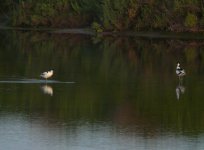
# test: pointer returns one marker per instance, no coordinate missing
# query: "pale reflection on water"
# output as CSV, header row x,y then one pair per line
x,y
22,132
180,89
47,89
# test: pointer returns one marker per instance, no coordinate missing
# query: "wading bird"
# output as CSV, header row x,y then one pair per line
x,y
47,74
179,71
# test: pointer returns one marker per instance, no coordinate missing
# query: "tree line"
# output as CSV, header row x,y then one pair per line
x,y
106,15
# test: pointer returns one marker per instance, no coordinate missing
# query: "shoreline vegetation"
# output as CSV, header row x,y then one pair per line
x,y
138,34
105,16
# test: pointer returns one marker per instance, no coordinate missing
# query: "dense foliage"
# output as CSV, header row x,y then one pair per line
x,y
109,15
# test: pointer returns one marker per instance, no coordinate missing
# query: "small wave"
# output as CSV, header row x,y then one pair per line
x,y
34,81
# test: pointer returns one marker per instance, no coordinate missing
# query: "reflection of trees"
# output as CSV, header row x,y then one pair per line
x,y
107,75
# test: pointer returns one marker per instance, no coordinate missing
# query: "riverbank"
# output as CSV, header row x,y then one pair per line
x,y
137,34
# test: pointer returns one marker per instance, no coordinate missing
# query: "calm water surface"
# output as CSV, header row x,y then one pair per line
x,y
107,93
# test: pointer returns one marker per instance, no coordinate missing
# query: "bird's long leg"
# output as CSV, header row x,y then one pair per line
x,y
180,80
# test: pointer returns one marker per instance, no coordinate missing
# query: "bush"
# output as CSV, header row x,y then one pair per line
x,y
96,27
191,20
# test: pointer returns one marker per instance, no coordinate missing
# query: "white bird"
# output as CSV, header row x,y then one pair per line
x,y
179,71
47,74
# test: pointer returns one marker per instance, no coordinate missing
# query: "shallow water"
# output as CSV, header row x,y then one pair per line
x,y
106,93
31,81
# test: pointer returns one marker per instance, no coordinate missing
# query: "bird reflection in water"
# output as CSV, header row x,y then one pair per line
x,y
47,89
180,89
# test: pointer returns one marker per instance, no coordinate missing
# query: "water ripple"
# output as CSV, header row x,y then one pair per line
x,y
34,81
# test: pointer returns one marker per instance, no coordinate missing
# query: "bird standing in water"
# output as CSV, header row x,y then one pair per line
x,y
47,74
179,71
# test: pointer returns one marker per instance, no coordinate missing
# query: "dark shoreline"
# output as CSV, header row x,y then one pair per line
x,y
139,34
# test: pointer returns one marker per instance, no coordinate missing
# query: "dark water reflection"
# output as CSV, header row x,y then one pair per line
x,y
113,93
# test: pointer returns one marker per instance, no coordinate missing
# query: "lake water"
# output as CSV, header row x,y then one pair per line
x,y
107,93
